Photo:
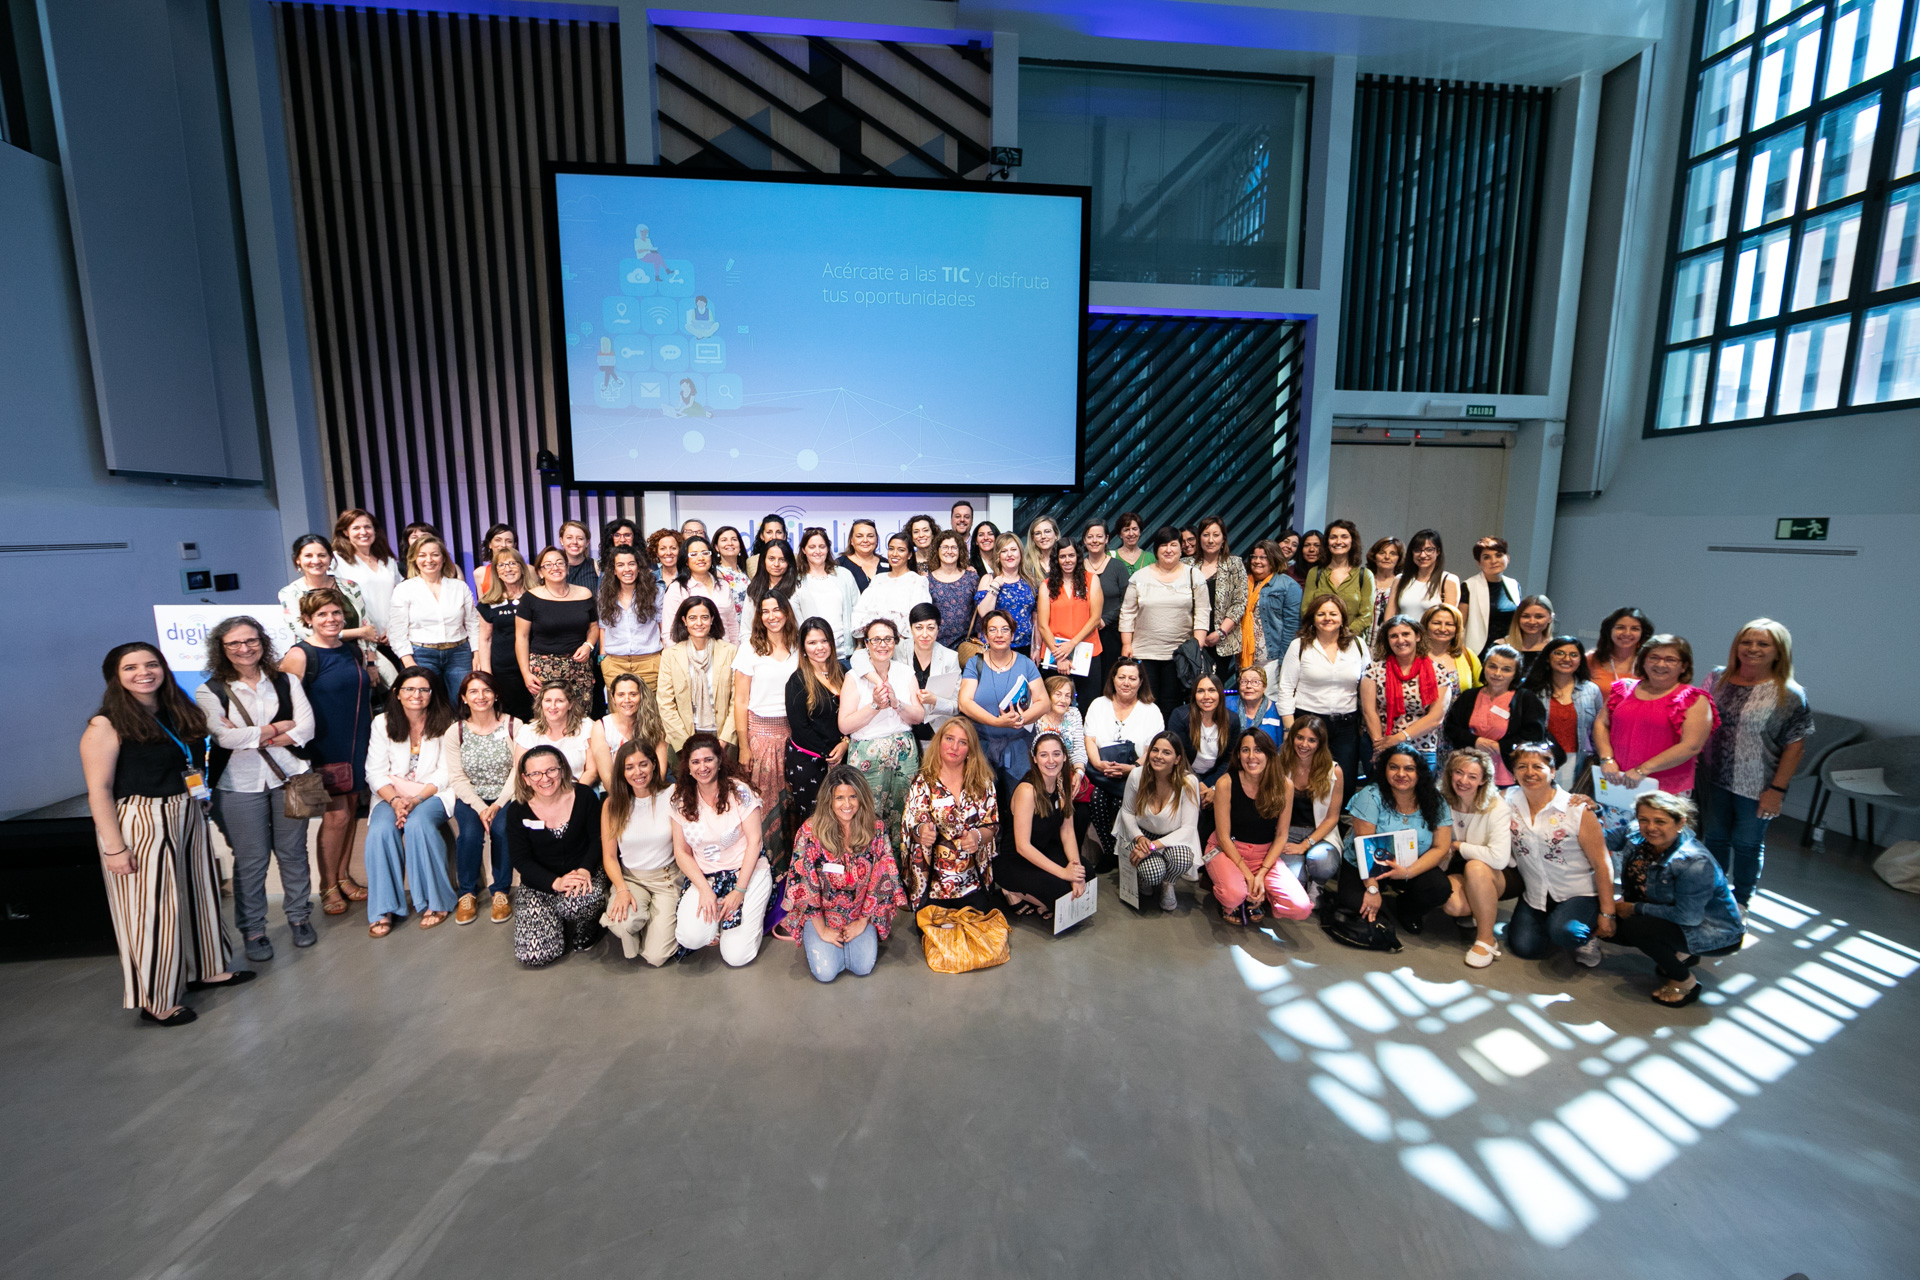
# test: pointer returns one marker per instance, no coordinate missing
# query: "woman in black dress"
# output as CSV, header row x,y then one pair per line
x,y
1044,862
555,631
496,653
815,743
339,687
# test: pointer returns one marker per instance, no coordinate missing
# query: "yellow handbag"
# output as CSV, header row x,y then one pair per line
x,y
959,941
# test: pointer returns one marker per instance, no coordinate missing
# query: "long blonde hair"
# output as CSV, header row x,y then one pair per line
x,y
496,589
826,823
1783,651
977,774
1026,570
1483,798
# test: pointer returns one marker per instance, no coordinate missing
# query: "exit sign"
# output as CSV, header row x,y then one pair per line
x,y
1480,411
1801,529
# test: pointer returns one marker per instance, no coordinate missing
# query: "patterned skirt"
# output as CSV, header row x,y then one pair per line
x,y
577,676
768,740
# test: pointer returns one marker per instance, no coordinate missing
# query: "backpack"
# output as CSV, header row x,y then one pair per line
x,y
1352,929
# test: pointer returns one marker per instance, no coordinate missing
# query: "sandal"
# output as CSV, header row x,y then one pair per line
x,y
353,889
332,901
380,928
1692,994
428,919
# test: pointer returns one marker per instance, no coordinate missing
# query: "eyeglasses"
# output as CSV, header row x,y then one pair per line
x,y
537,774
415,691
880,642
240,644
1661,660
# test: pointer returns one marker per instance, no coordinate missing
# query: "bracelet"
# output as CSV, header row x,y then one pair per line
x,y
125,848
1771,786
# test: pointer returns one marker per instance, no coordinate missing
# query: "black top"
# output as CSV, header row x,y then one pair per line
x,y
820,731
1500,610
540,855
1527,721
1302,815
155,768
1044,834
1113,588
860,575
585,574
1178,725
556,626
1249,827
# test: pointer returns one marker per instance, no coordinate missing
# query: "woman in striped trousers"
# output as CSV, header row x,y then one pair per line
x,y
144,758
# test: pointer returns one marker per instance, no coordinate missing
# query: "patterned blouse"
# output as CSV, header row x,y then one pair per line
x,y
840,891
954,600
487,758
1017,598
1448,680
947,872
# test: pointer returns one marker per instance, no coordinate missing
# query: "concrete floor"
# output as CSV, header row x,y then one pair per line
x,y
1117,1103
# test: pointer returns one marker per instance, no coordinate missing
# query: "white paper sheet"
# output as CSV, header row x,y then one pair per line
x,y
1129,881
1069,911
945,686
1618,797
1079,664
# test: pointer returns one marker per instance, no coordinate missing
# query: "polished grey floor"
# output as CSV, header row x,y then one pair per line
x,y
1136,1100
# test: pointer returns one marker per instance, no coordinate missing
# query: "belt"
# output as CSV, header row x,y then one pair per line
x,y
451,644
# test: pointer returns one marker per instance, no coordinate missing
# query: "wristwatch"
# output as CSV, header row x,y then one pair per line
x,y
1373,888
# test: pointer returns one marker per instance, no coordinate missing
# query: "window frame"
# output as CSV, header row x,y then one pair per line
x,y
1873,199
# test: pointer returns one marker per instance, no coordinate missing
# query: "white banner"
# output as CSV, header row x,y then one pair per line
x,y
183,630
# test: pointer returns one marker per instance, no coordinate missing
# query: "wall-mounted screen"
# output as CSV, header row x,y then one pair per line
x,y
763,331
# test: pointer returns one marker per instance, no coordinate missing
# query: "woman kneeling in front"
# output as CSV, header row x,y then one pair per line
x,y
1402,798
1675,904
1158,830
553,838
1244,853
636,850
1566,879
716,841
1044,862
843,886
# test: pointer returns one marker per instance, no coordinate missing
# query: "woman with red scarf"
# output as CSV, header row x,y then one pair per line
x,y
1405,693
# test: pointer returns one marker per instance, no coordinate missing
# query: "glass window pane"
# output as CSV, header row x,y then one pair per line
x,y
1825,273
1740,386
1719,116
1842,149
1900,241
1728,21
1778,9
1683,391
1862,41
1709,201
1906,152
1759,277
1810,365
1696,297
1773,178
1888,367
1788,59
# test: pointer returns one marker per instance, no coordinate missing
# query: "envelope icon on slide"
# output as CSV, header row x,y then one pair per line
x,y
649,391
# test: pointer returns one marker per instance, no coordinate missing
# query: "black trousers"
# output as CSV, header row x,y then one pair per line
x,y
1168,692
1414,900
1343,740
1661,941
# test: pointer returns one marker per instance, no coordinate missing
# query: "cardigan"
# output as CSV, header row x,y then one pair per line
x,y
1229,601
1527,722
676,692
1486,835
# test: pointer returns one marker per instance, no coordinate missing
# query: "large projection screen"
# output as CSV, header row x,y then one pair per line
x,y
774,331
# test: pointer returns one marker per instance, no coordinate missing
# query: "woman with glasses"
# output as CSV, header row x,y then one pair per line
x,y
878,708
1656,722
553,837
407,772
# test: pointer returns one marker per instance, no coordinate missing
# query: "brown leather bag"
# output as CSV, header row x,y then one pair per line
x,y
962,940
304,795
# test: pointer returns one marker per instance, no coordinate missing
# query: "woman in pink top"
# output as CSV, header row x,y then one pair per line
x,y
1654,724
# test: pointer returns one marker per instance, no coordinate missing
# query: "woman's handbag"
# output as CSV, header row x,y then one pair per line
x,y
1189,660
964,939
970,648
304,795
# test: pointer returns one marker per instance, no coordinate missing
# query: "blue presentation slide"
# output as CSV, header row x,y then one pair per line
x,y
782,333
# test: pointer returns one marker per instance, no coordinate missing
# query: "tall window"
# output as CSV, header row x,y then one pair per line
x,y
1794,287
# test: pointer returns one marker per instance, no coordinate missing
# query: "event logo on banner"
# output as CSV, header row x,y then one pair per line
x,y
183,631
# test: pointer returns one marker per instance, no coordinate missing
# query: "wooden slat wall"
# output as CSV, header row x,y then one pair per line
x,y
415,142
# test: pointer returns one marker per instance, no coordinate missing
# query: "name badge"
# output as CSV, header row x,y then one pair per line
x,y
833,868
533,824
197,785
1501,712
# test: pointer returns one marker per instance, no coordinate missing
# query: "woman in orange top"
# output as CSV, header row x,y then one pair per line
x,y
1068,614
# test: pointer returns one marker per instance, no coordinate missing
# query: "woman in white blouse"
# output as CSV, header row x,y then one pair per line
x,y
1125,714
432,621
878,709
1321,673
696,577
313,557
1483,848
364,559
761,669
406,833
561,722
893,594
1157,835
636,844
825,590
1424,580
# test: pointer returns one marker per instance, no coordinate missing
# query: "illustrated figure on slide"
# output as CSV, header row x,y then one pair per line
x,y
643,249
688,407
609,380
700,321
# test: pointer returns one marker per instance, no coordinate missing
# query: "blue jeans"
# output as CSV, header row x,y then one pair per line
x,y
451,665
827,960
467,843
411,858
1735,834
1532,934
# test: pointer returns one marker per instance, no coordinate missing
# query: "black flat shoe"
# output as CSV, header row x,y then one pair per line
x,y
240,978
178,1018
1693,994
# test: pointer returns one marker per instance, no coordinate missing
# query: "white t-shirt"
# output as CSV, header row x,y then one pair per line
x,y
573,748
646,843
767,695
857,692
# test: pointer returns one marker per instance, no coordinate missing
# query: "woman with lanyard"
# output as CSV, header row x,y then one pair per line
x,y
1166,604
862,556
951,587
1566,898
1751,759
339,688
1069,616
893,594
814,743
1112,574
1405,693
1120,726
313,557
984,538
481,752
147,792
553,837
1002,692
1495,715
362,557
952,819
556,629
495,652
844,888
761,669
1424,580
562,723
1569,701
1044,863
878,708
258,717
630,607
636,843
1129,526
1442,624
1491,596
407,769
432,619
697,578
1622,632
930,658
1656,721
1321,674
633,715
1344,576
1226,579
1402,798
1675,906
825,590
696,677
775,576
1009,590
716,842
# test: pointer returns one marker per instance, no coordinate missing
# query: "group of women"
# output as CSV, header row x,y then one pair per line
x,y
696,741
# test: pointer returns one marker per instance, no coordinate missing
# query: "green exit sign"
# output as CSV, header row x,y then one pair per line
x,y
1480,411
1801,529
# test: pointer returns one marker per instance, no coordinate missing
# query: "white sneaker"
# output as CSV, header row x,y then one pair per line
x,y
1588,952
1167,901
1478,959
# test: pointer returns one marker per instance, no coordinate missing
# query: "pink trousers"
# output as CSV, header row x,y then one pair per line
x,y
1285,897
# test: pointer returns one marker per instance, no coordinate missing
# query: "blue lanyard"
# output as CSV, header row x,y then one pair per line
x,y
176,742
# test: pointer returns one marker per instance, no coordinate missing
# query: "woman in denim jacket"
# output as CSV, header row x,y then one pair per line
x,y
1675,904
